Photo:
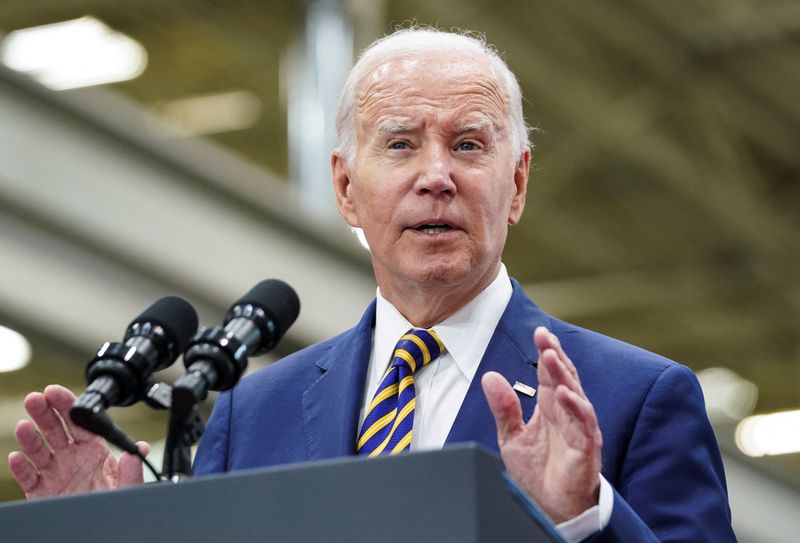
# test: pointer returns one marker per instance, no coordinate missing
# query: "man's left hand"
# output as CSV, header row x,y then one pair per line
x,y
555,457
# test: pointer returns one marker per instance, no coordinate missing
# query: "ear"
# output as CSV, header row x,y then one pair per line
x,y
521,171
342,189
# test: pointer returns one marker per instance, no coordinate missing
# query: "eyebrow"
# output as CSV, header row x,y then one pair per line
x,y
481,125
392,127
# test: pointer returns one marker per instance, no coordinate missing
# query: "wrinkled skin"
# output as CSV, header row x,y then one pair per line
x,y
555,457
62,458
433,147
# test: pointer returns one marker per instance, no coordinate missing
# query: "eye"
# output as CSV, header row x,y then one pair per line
x,y
398,145
467,146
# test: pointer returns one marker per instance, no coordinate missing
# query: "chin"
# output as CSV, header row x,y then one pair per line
x,y
450,272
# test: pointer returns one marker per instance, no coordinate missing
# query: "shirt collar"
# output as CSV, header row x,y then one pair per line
x,y
466,333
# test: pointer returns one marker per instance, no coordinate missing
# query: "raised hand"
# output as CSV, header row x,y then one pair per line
x,y
555,457
62,458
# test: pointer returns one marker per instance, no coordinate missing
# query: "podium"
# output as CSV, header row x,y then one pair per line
x,y
456,495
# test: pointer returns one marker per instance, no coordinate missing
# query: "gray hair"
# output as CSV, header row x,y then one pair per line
x,y
418,40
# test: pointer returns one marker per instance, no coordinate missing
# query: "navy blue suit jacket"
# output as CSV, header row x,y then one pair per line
x,y
659,452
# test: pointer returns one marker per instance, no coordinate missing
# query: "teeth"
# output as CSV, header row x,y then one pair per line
x,y
434,229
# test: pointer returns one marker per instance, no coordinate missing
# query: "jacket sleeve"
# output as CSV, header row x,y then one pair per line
x,y
671,486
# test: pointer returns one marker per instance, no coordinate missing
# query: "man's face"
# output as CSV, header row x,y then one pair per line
x,y
434,183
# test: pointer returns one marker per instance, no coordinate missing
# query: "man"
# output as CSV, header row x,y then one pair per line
x,y
432,163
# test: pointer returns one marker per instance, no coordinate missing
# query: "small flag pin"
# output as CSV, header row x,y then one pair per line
x,y
524,389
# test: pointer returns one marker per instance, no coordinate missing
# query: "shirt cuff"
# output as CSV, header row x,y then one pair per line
x,y
592,520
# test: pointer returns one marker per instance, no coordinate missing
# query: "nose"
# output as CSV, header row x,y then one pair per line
x,y
436,172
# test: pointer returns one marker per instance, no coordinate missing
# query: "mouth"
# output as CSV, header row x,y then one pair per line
x,y
433,228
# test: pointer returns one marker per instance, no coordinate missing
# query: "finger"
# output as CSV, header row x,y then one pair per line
x,y
552,371
42,415
130,466
46,420
545,339
581,413
23,471
32,444
61,399
504,405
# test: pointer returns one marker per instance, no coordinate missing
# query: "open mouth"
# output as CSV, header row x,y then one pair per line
x,y
433,228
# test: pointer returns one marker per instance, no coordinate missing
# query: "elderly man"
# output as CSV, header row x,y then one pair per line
x,y
432,164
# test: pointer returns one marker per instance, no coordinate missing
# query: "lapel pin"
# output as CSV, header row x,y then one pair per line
x,y
522,388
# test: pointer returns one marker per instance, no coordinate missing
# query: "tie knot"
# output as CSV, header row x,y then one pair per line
x,y
417,347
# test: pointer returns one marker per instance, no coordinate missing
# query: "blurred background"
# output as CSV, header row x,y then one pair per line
x,y
181,147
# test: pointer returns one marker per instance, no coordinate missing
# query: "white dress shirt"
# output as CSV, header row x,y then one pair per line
x,y
442,385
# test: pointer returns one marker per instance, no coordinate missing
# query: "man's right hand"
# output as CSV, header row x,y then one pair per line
x,y
63,458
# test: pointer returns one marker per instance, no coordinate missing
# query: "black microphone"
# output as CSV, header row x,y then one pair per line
x,y
119,374
217,357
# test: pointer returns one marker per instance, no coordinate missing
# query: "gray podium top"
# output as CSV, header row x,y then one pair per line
x,y
454,495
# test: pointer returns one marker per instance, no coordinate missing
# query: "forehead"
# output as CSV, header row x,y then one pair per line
x,y
412,86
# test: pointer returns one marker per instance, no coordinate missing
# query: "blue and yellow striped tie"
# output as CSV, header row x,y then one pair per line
x,y
390,415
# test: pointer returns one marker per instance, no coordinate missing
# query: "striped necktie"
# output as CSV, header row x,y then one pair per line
x,y
390,415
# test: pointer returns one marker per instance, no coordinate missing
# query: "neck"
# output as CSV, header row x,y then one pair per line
x,y
429,303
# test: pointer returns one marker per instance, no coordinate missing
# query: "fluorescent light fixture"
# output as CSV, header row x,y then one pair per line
x,y
76,53
15,351
728,396
212,113
766,435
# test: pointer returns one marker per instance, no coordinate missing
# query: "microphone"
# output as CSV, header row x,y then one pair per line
x,y
119,373
217,357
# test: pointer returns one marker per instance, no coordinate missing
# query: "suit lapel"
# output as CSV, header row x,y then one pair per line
x,y
331,404
511,353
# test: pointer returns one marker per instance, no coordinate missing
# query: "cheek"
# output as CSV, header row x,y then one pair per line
x,y
494,214
497,204
381,195
374,209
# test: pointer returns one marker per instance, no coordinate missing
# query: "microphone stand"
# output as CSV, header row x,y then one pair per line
x,y
184,430
214,357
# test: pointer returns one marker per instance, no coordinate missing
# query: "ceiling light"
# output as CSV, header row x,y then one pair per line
x,y
212,113
728,396
15,351
76,53
765,435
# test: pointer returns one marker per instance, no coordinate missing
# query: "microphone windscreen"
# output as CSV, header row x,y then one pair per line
x,y
175,315
278,300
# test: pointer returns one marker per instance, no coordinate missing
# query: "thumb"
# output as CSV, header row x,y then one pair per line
x,y
504,404
130,466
